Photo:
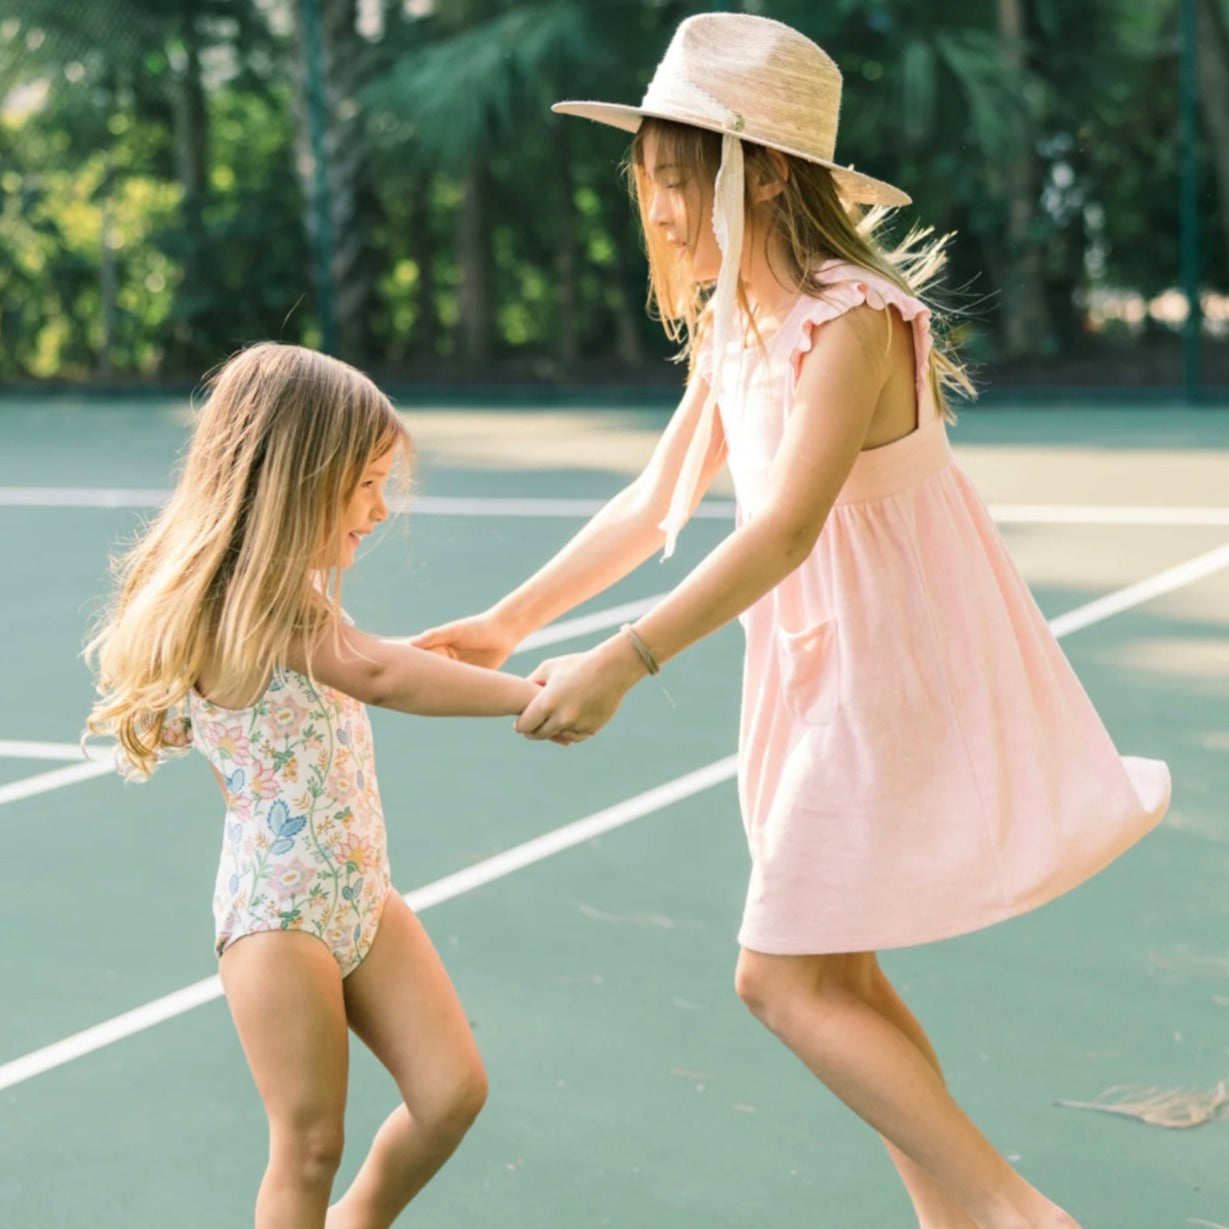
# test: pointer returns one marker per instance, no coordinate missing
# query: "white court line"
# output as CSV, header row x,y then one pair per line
x,y
425,505
1105,514
79,497
599,620
13,750
176,1003
450,886
57,778
91,762
1142,591
446,505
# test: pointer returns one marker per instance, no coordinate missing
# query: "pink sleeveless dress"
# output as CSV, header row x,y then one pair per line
x,y
917,756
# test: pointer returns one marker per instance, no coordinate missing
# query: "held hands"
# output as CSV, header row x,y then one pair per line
x,y
579,693
481,640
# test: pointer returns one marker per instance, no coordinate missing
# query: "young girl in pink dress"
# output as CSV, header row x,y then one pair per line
x,y
227,634
917,758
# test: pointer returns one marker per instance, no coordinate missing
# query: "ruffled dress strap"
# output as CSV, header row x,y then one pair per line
x,y
846,286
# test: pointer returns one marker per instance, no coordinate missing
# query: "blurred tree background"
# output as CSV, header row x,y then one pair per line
x,y
384,178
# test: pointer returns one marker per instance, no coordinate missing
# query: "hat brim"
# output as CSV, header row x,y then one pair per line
x,y
853,185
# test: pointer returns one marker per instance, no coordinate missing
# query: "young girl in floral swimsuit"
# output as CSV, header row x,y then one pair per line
x,y
227,633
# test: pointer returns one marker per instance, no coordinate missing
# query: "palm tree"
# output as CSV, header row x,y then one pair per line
x,y
333,61
480,79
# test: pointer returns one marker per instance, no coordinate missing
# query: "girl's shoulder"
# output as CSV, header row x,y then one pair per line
x,y
839,285
291,670
844,289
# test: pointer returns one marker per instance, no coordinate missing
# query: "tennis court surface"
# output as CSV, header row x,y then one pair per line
x,y
586,900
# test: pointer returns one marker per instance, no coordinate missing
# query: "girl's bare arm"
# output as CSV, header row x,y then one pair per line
x,y
838,389
618,539
397,675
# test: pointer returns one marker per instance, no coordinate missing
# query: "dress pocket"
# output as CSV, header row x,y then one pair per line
x,y
810,671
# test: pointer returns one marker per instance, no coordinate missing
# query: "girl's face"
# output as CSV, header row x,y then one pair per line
x,y
366,508
682,210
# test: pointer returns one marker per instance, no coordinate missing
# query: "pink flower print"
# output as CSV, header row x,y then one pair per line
x,y
264,783
232,743
343,786
287,717
336,933
357,853
293,878
240,806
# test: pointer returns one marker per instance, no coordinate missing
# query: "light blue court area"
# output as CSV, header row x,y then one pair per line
x,y
586,900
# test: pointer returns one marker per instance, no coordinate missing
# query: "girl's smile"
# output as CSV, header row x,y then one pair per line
x,y
366,508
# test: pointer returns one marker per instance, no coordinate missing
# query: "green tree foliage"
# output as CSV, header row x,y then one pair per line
x,y
159,202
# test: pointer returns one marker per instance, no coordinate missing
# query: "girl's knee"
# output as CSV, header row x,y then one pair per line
x,y
774,987
308,1150
470,1094
452,1108
763,989
750,986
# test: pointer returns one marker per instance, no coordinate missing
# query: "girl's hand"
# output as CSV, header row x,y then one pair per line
x,y
481,640
579,693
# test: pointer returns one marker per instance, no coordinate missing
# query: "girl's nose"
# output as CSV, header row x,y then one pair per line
x,y
658,214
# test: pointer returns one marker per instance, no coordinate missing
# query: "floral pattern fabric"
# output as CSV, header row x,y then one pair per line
x,y
304,845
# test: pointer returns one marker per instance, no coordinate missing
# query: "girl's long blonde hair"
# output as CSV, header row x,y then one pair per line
x,y
812,221
247,554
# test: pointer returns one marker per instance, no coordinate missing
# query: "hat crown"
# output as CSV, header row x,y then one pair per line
x,y
753,76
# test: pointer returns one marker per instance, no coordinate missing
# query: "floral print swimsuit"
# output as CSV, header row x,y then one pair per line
x,y
304,845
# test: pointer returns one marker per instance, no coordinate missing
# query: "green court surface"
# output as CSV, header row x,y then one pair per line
x,y
629,1086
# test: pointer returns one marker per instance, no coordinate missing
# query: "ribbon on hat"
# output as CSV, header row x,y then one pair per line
x,y
728,219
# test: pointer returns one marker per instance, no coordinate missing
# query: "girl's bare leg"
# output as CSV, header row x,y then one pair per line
x,y
935,1207
824,1009
401,1003
284,991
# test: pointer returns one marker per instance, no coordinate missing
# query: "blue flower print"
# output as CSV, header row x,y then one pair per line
x,y
284,826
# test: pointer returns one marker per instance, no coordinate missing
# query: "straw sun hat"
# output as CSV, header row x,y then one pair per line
x,y
750,79
753,78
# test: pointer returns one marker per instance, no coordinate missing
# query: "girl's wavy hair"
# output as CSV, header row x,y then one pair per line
x,y
813,221
246,557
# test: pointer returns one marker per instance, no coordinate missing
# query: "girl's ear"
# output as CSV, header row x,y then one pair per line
x,y
770,178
